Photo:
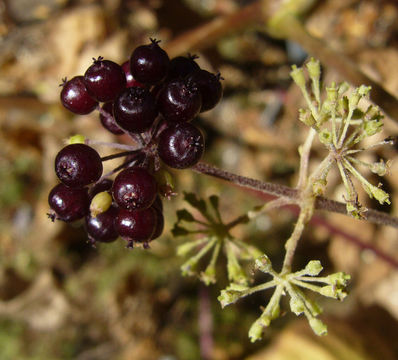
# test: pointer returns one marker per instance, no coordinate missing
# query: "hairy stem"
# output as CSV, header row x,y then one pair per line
x,y
118,155
268,188
304,159
291,243
321,203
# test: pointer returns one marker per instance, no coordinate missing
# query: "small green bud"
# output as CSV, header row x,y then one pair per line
x,y
373,127
329,291
319,187
318,327
356,210
209,275
228,297
77,139
353,100
296,305
189,267
380,195
297,74
100,203
314,69
306,117
342,106
263,263
339,279
333,291
256,330
343,87
364,90
331,93
381,168
373,113
313,268
325,137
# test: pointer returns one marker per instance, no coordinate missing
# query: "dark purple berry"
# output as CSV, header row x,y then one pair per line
x,y
78,165
102,227
105,79
138,225
134,188
67,203
103,185
209,86
135,110
159,223
181,66
179,101
149,63
75,96
108,121
158,204
130,81
181,146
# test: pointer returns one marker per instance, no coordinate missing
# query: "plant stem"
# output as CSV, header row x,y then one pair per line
x,y
208,34
268,188
118,155
321,203
291,243
304,159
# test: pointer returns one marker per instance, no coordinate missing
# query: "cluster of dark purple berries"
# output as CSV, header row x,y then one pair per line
x,y
152,99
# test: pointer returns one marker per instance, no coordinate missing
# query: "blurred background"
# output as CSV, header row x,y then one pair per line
x,y
62,299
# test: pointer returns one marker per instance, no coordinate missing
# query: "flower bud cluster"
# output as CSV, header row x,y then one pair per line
x,y
342,123
292,284
215,238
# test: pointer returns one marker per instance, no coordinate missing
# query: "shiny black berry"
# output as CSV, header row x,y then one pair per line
x,y
135,110
149,63
138,225
181,146
68,204
105,80
158,204
102,227
134,188
130,81
159,223
209,86
181,66
108,121
76,98
179,101
78,165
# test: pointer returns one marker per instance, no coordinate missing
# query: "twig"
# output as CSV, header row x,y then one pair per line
x,y
321,203
207,35
304,159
